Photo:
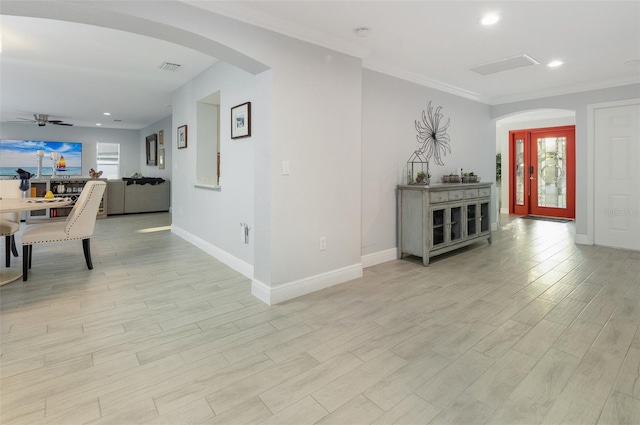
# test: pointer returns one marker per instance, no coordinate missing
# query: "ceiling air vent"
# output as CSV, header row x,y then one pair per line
x,y
504,65
168,66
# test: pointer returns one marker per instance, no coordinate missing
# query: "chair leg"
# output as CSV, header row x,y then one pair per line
x,y
7,252
86,247
14,249
25,261
30,255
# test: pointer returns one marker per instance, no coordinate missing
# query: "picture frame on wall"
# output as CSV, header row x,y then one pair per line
x,y
152,150
182,137
161,159
241,121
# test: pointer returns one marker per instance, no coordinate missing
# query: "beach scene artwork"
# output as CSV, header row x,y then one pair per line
x,y
66,157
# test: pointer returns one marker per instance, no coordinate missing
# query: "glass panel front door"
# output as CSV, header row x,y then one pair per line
x,y
520,175
552,154
552,173
542,166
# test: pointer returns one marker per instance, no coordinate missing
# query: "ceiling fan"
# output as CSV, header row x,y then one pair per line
x,y
42,120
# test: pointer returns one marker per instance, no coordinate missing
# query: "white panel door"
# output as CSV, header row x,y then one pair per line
x,y
617,177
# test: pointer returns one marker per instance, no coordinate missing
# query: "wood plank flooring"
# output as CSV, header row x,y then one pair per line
x,y
532,329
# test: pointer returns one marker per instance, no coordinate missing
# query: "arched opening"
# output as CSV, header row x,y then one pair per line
x,y
530,119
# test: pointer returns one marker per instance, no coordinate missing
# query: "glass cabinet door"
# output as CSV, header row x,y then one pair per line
x,y
438,226
484,217
455,223
472,219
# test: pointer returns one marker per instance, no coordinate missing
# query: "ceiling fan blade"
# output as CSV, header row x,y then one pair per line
x,y
24,121
61,123
54,121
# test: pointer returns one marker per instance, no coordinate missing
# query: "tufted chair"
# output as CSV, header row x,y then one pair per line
x,y
79,225
10,222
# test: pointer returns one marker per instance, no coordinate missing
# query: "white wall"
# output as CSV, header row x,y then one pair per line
x,y
129,141
312,97
207,126
390,108
577,102
154,171
211,218
316,126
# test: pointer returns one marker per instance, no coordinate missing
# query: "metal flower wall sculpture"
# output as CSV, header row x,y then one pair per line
x,y
432,135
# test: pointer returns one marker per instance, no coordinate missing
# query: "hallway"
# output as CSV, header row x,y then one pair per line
x,y
531,329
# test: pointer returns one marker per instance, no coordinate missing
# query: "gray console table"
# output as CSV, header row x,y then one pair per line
x,y
438,218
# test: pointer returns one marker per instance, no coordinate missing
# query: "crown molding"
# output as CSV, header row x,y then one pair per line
x,y
422,80
242,13
578,88
248,15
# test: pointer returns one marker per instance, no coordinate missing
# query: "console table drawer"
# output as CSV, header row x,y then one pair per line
x,y
455,195
438,196
471,193
485,192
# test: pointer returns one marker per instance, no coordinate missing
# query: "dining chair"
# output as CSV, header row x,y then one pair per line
x,y
79,225
10,222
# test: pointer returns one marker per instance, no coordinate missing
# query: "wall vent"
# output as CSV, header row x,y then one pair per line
x,y
507,64
168,66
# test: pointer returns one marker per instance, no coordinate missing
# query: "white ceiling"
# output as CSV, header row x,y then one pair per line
x,y
76,72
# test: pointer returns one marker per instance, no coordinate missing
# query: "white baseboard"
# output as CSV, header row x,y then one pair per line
x,y
261,291
235,263
582,239
504,210
290,290
379,257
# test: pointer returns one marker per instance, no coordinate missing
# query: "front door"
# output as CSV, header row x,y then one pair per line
x,y
542,173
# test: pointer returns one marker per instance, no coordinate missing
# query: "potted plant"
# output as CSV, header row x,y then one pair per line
x,y
422,177
469,177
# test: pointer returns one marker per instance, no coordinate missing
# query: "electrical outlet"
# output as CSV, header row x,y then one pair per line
x,y
285,168
323,243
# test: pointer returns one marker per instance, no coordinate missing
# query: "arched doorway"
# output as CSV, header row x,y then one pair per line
x,y
524,120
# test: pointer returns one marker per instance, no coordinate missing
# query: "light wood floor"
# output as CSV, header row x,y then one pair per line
x,y
532,329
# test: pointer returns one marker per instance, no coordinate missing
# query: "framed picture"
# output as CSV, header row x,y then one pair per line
x,y
161,159
182,136
152,149
161,138
241,121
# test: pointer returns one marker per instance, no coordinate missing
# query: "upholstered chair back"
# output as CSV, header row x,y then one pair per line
x,y
10,189
81,221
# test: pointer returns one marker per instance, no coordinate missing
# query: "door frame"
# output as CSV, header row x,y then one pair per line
x,y
529,134
589,237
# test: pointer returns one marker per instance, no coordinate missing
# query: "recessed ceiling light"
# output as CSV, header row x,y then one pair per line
x,y
107,113
490,19
554,64
98,124
362,32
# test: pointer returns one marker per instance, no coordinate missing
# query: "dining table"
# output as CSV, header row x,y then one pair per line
x,y
8,205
